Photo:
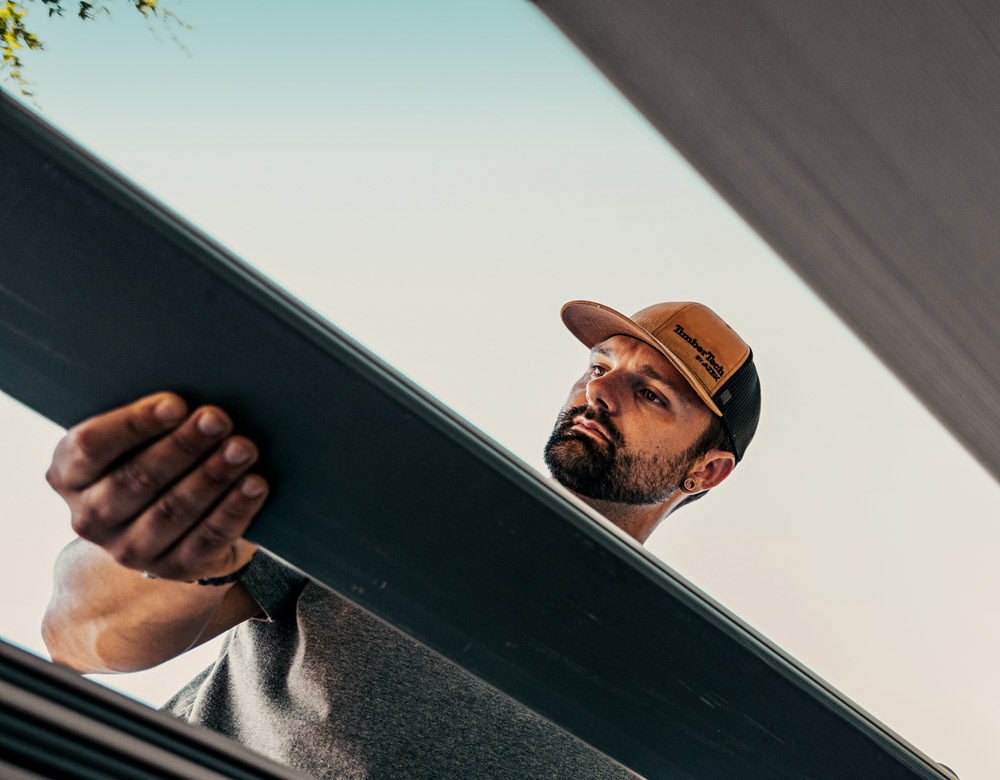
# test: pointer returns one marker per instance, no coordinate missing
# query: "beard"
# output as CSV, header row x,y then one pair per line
x,y
609,471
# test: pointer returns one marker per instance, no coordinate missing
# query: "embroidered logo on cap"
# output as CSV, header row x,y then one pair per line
x,y
705,358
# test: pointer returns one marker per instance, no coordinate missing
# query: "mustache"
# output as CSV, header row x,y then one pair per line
x,y
598,415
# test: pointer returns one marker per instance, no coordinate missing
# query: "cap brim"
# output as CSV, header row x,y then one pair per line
x,y
593,323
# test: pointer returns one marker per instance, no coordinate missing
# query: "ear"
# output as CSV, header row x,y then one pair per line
x,y
711,469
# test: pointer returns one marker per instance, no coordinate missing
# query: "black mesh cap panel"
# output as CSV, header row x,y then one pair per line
x,y
739,400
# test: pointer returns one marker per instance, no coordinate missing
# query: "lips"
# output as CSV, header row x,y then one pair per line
x,y
591,428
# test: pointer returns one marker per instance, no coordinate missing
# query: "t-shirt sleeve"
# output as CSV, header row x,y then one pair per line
x,y
274,585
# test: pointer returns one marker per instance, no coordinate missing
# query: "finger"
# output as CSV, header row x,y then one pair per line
x,y
187,503
211,548
102,512
87,449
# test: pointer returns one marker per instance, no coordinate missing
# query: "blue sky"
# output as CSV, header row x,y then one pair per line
x,y
438,178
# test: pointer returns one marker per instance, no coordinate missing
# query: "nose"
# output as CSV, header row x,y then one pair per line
x,y
601,392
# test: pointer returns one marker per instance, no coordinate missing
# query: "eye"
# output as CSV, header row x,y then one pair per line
x,y
596,370
652,397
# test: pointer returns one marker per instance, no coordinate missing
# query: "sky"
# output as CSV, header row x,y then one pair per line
x,y
437,178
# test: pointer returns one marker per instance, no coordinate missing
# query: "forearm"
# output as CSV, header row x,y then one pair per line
x,y
104,617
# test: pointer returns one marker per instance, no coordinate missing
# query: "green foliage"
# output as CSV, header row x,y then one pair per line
x,y
14,35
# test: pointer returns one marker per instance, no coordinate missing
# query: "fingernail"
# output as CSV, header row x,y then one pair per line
x,y
236,453
211,424
169,410
252,487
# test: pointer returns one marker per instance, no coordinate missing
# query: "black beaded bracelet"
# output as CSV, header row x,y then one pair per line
x,y
223,580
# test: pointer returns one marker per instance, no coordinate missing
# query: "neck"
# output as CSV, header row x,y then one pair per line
x,y
639,522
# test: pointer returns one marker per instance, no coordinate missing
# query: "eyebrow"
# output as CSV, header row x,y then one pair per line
x,y
653,374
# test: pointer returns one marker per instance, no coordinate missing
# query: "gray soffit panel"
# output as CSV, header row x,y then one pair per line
x,y
860,140
105,296
55,724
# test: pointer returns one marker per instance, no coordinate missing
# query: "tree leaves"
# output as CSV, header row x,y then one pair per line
x,y
14,35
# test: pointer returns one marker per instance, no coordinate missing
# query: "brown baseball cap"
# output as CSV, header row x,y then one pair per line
x,y
708,353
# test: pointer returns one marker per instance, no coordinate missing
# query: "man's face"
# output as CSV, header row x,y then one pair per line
x,y
628,426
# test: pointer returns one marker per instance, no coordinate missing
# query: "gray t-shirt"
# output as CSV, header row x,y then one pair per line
x,y
321,685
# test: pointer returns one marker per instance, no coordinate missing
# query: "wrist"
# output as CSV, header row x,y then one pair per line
x,y
223,572
225,579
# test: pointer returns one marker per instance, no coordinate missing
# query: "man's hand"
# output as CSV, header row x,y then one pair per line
x,y
161,490
150,488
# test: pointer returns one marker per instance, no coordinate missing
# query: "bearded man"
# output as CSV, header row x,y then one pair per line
x,y
161,497
666,409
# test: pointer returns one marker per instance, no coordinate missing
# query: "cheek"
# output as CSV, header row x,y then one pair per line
x,y
664,440
577,394
688,430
